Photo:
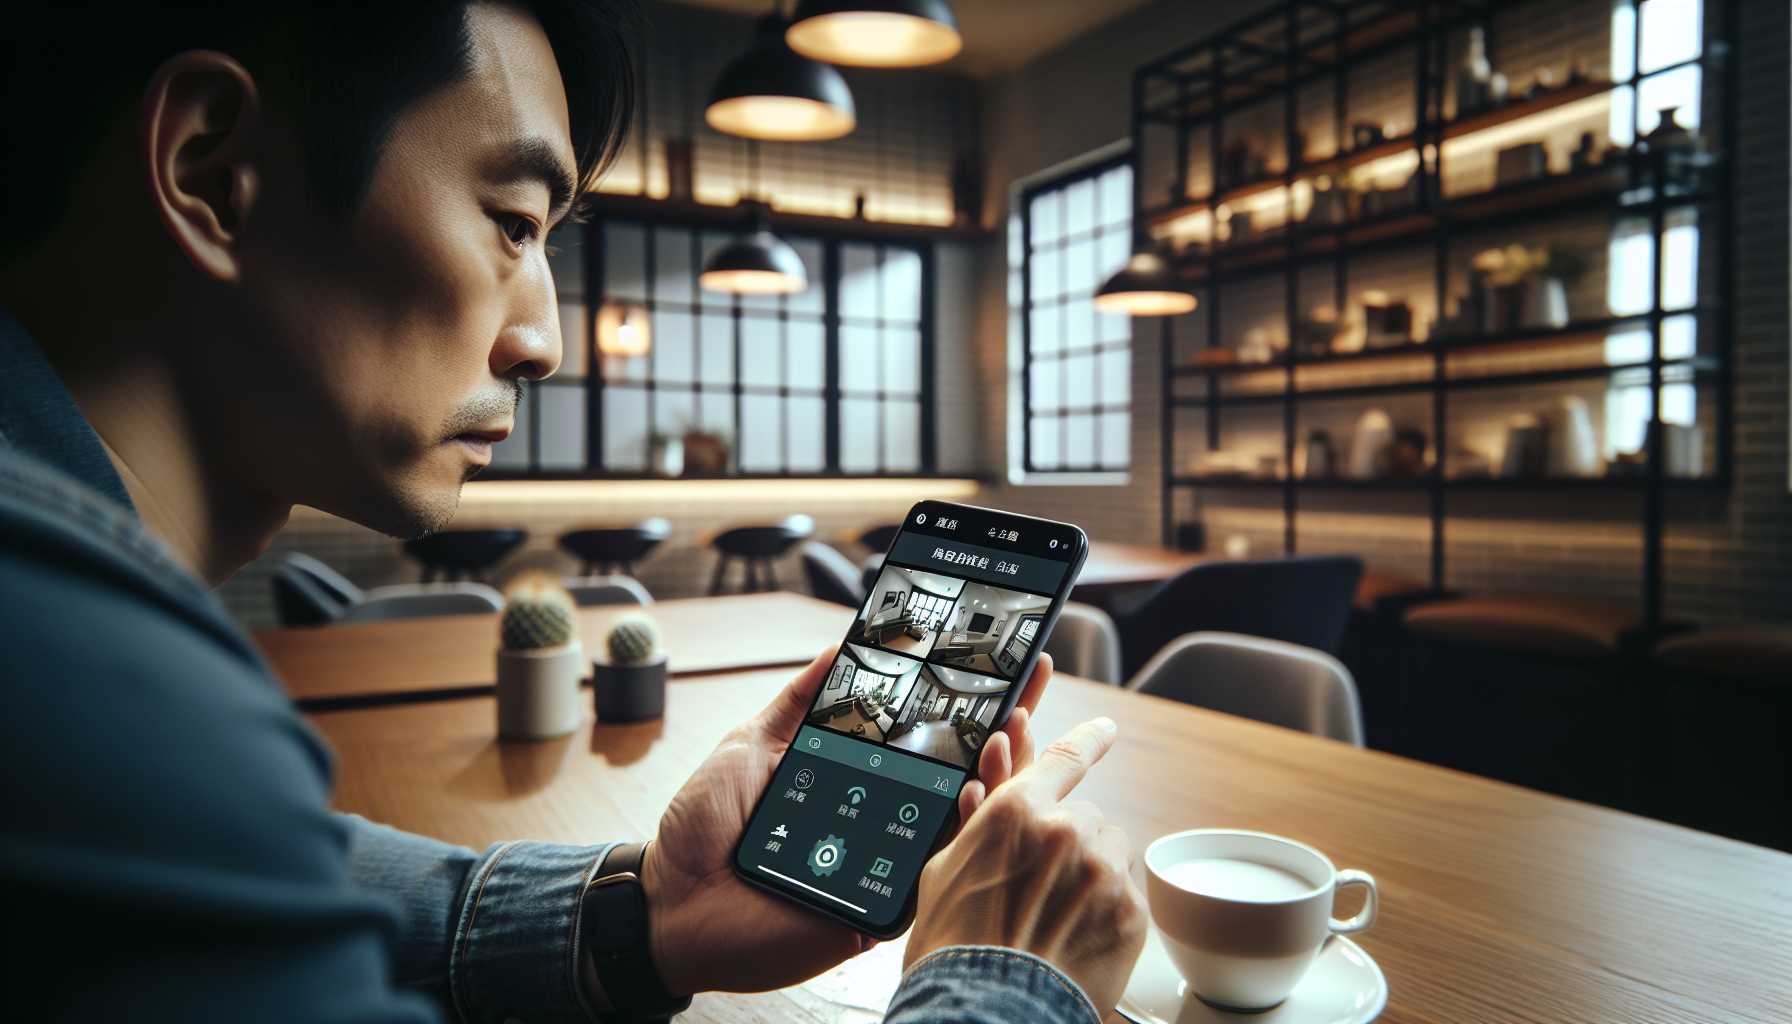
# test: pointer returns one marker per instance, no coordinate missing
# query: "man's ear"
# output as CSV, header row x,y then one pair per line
x,y
195,128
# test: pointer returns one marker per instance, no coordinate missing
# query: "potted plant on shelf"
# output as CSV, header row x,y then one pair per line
x,y
540,663
1523,286
631,685
665,454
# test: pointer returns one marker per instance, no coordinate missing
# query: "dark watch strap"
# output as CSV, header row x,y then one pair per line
x,y
613,927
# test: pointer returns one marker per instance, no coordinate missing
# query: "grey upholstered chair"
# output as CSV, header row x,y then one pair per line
x,y
421,600
831,575
1086,643
1269,680
591,591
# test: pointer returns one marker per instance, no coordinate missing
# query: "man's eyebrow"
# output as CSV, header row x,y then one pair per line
x,y
535,159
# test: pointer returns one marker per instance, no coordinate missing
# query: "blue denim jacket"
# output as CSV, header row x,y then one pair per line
x,y
168,850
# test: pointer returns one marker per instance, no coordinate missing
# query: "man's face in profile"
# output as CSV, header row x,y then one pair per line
x,y
392,344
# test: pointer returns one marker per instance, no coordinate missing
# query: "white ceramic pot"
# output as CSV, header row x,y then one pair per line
x,y
538,692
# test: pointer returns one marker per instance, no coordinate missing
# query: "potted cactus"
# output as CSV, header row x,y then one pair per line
x,y
631,685
540,663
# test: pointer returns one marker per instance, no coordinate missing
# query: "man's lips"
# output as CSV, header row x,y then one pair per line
x,y
492,436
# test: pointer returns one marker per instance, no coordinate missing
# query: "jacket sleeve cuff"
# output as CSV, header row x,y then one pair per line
x,y
516,945
988,985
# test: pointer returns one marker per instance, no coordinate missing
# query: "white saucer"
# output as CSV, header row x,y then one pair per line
x,y
1344,986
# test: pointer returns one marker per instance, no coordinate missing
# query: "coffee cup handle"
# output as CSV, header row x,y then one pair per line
x,y
1364,917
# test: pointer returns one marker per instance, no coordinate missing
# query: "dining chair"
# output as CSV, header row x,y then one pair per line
x,y
757,547
1266,680
423,600
831,575
1085,642
1304,600
615,549
302,598
877,539
592,591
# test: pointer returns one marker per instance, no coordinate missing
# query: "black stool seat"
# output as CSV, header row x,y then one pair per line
x,y
877,539
757,546
605,550
463,554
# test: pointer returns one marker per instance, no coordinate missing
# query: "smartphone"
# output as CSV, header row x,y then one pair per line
x,y
931,666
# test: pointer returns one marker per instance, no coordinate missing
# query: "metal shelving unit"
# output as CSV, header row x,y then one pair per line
x,y
1289,51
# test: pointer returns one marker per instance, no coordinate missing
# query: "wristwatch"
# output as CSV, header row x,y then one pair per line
x,y
613,926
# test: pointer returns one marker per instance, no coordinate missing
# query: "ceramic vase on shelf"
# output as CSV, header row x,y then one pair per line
x,y
1544,304
1571,448
1474,76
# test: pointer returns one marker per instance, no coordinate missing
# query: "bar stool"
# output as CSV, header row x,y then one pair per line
x,y
1530,689
877,539
463,554
1727,696
608,550
757,547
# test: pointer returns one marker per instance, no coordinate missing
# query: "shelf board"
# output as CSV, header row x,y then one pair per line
x,y
739,215
1700,365
1458,128
1547,483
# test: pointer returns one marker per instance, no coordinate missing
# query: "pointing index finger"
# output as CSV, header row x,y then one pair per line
x,y
1063,764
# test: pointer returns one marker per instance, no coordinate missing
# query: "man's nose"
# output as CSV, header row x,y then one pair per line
x,y
529,346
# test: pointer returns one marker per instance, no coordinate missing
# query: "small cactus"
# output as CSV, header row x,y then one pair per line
x,y
537,616
633,640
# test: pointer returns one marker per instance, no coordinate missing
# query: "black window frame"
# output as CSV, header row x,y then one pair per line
x,y
826,277
1096,409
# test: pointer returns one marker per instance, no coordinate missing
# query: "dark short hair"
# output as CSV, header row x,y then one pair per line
x,y
344,71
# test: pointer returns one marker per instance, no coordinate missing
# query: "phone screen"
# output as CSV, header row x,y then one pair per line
x,y
931,665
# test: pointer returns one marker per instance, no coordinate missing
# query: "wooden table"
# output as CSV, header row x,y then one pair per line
x,y
1497,903
1116,565
453,655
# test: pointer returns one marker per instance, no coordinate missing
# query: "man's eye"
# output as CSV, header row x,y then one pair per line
x,y
518,231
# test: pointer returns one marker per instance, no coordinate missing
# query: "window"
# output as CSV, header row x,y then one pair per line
x,y
835,379
1076,363
927,609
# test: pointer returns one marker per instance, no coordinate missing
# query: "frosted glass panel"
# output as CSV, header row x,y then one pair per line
x,y
1048,385
1048,329
1079,268
1047,221
1045,434
1079,324
761,351
674,347
625,261
1079,207
562,427
858,358
1047,281
858,434
902,285
858,281
716,339
513,451
674,412
1672,31
572,341
1116,371
1079,441
902,361
674,280
806,436
716,414
1678,88
1116,196
902,437
761,433
806,347
1079,381
625,428
1114,440
810,299
1115,248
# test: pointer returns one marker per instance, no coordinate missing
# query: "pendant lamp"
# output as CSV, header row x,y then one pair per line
x,y
1145,286
875,33
756,263
772,92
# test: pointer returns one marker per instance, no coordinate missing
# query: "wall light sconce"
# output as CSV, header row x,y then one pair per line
x,y
623,330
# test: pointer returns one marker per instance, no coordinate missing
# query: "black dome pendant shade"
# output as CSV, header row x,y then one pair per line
x,y
1145,286
772,92
875,33
756,263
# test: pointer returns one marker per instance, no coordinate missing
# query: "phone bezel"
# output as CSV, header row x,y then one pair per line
x,y
949,825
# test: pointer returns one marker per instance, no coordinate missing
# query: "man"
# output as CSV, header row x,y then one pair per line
x,y
253,262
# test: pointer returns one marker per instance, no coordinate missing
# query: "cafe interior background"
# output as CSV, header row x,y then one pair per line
x,y
1486,295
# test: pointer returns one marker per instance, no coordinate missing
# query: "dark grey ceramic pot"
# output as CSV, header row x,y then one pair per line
x,y
629,693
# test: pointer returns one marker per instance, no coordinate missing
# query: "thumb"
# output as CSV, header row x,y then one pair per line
x,y
786,712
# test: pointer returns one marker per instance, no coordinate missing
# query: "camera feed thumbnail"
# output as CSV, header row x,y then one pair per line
x,y
990,630
930,710
905,611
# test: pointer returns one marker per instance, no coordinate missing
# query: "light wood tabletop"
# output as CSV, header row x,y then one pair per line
x,y
1111,564
455,655
1497,903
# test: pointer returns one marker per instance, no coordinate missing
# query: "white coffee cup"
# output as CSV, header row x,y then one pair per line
x,y
1244,914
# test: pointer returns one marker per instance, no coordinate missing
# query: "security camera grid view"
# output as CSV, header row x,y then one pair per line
x,y
928,662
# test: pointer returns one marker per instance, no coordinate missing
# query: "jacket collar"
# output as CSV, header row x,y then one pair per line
x,y
39,418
